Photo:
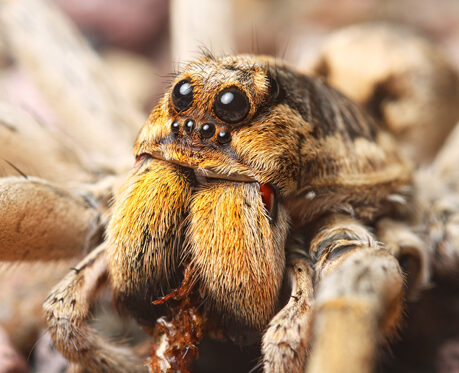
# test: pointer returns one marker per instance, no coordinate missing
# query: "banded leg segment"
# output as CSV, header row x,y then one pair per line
x,y
285,343
359,297
67,311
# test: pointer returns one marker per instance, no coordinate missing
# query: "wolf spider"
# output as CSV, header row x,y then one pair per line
x,y
262,202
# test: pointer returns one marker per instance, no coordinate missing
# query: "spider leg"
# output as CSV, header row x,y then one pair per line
x,y
358,298
438,208
285,342
442,229
67,310
42,221
411,252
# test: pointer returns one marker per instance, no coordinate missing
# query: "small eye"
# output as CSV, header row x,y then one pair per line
x,y
231,105
182,95
189,126
175,126
207,130
224,137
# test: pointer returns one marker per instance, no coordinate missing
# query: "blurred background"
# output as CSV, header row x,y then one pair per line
x,y
137,44
142,41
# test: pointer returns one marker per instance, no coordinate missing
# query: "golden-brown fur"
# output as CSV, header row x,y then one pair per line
x,y
232,244
145,235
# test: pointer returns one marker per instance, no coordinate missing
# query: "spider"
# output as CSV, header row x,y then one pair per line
x,y
262,202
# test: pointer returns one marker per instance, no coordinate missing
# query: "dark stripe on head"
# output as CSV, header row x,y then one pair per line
x,y
323,107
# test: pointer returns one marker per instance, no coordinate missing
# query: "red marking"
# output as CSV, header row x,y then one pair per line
x,y
267,196
141,157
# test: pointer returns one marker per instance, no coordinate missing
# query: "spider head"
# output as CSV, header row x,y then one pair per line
x,y
226,118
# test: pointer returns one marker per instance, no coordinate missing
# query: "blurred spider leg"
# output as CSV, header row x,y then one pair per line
x,y
42,221
285,343
438,208
358,299
67,310
403,243
442,231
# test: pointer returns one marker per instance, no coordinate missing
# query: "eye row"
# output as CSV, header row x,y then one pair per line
x,y
207,130
231,104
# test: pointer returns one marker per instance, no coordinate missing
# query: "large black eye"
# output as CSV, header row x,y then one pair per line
x,y
182,95
231,105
